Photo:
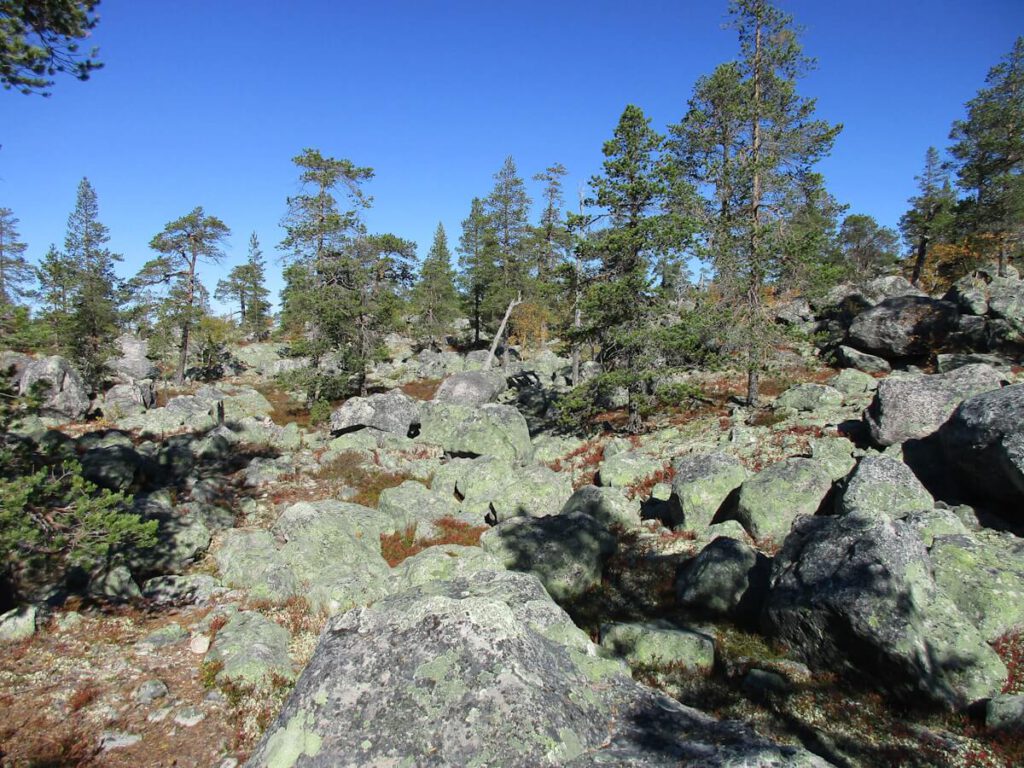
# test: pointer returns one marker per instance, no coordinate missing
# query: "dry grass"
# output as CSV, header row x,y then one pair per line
x,y
582,462
401,545
286,409
1010,648
642,488
422,389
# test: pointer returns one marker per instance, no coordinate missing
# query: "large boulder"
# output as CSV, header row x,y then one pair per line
x,y
728,579
903,327
856,593
701,484
496,490
861,361
609,506
471,388
65,394
487,671
486,430
133,363
393,412
251,649
810,397
772,499
625,468
567,552
983,443
884,487
659,644
128,399
908,408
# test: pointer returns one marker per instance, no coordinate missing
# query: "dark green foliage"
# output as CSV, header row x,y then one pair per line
x,y
434,297
931,217
57,284
507,209
51,517
38,39
245,285
988,154
15,273
868,248
477,263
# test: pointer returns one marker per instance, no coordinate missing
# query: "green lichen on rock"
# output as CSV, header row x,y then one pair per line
x,y
286,745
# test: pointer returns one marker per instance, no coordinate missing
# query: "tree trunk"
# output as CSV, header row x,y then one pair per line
x,y
501,331
753,377
1001,271
634,422
179,375
922,252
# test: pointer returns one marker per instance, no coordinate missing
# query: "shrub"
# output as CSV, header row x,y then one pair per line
x,y
320,412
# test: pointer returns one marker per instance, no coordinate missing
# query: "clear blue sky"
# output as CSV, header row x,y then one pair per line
x,y
205,102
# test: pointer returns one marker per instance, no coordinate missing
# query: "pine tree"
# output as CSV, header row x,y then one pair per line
x,y
94,316
751,143
869,249
245,285
507,209
58,283
182,245
552,233
434,296
989,157
477,268
15,273
931,217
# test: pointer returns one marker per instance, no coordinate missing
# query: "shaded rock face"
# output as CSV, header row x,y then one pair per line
x,y
983,443
857,593
393,412
128,400
911,408
486,671
471,388
486,430
133,364
728,579
609,506
862,361
567,552
700,487
66,398
903,327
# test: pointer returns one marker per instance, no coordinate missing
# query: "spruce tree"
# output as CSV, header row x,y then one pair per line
x,y
94,315
931,217
434,296
58,283
869,249
245,286
989,157
507,209
183,244
477,267
16,274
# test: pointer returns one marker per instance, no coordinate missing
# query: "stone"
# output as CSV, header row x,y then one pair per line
x,y
413,504
471,388
18,624
114,466
884,487
196,589
118,740
567,552
856,594
133,364
251,649
115,583
983,443
487,671
189,717
915,407
150,691
771,500
442,563
701,485
983,574
659,644
627,468
486,430
903,327
393,412
851,382
835,454
810,397
199,645
609,506
66,396
861,361
727,579
123,400
946,362
1005,713
169,634
1006,301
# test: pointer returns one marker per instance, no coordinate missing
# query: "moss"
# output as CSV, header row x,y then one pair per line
x,y
296,739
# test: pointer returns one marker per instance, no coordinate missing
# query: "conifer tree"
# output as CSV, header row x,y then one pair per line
x,y
552,233
989,157
245,285
507,209
477,268
434,296
931,217
94,315
869,249
58,281
16,274
183,244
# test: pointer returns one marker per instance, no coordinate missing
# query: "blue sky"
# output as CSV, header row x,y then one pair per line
x,y
205,102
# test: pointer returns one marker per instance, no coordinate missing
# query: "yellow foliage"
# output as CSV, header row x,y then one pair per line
x,y
528,325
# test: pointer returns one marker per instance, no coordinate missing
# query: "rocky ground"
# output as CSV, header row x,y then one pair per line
x,y
439,576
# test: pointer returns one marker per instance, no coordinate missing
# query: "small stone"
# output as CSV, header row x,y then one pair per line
x,y
118,740
199,645
216,696
760,683
1005,713
159,715
189,717
18,624
69,621
150,691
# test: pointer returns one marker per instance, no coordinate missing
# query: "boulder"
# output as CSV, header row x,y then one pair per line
x,y
884,487
487,671
114,465
486,430
861,361
13,365
947,362
1006,302
835,454
772,499
700,487
609,506
1005,713
65,394
853,383
128,400
567,552
909,408
903,327
625,468
251,649
810,397
659,644
18,624
496,491
394,412
471,388
983,574
133,363
413,504
442,563
856,593
887,287
728,580
983,442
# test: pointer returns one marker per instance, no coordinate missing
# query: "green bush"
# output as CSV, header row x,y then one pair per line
x,y
320,412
